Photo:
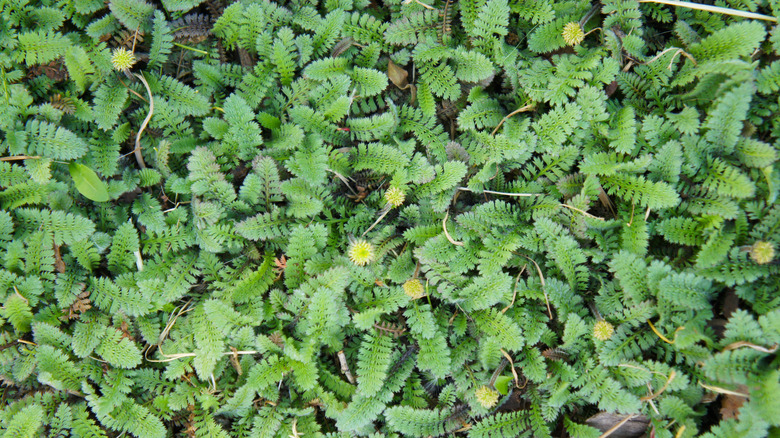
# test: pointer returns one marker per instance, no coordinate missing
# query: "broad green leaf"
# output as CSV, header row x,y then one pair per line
x,y
88,183
502,384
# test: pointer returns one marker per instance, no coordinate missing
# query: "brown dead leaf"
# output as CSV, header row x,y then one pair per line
x,y
397,75
59,265
342,47
280,264
234,361
606,202
730,404
277,339
621,426
125,329
81,305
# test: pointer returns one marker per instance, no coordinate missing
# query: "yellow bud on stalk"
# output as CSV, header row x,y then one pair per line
x,y
487,397
573,34
395,196
122,59
414,289
361,252
603,330
762,252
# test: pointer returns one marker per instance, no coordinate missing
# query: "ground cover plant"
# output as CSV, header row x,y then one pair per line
x,y
485,218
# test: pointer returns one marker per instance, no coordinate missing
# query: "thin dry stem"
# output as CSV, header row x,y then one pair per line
x,y
625,365
177,356
741,344
137,151
541,277
720,390
16,291
345,367
498,371
581,211
131,90
652,405
664,338
406,2
617,426
382,214
679,52
446,233
19,157
715,9
512,364
520,195
672,375
514,294
524,108
343,179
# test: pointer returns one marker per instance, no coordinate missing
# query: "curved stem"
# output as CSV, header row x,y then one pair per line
x,y
137,151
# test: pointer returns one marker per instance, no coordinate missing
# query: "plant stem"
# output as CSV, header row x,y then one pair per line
x,y
716,9
137,151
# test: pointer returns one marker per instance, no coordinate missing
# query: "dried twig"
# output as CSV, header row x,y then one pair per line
x,y
137,150
741,344
521,195
664,338
406,2
382,214
617,426
541,277
522,109
581,211
343,179
720,390
678,52
512,365
19,157
345,367
498,371
514,293
672,375
446,233
715,9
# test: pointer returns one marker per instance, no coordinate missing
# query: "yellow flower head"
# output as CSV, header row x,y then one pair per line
x,y
395,196
603,330
414,289
361,252
573,34
487,397
122,59
762,252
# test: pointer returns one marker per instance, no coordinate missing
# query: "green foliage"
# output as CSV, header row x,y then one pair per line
x,y
26,422
500,425
162,41
42,46
52,141
735,41
373,364
208,286
133,14
65,227
417,422
109,102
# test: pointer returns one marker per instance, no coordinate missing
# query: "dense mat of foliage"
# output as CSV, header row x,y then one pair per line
x,y
486,217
